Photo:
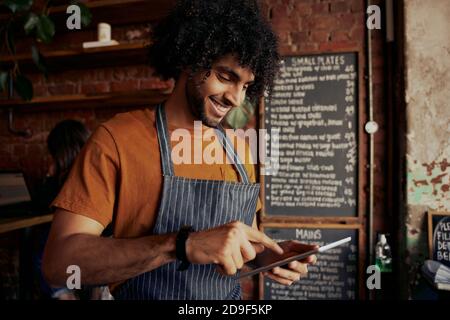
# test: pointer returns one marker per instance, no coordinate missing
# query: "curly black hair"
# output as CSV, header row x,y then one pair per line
x,y
198,32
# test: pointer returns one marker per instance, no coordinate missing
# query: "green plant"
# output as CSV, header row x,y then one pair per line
x,y
239,117
33,20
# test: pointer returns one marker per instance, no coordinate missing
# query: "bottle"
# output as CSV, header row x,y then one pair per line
x,y
383,255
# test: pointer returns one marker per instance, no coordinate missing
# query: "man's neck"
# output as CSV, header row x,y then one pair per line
x,y
177,108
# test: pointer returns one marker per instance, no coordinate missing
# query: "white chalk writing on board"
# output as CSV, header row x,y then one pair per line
x,y
314,103
334,276
441,239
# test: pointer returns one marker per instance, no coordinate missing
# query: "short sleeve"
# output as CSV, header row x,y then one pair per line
x,y
90,187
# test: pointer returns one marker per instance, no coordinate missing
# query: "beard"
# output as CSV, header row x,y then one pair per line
x,y
196,103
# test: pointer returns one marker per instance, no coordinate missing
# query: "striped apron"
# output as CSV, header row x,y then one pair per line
x,y
204,204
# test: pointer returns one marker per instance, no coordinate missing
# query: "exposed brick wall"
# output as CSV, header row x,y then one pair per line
x,y
303,27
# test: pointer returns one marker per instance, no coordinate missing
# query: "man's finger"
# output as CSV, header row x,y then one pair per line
x,y
229,267
278,279
288,274
310,260
237,257
258,247
299,267
257,236
248,251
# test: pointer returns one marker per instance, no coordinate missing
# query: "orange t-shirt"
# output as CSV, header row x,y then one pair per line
x,y
118,173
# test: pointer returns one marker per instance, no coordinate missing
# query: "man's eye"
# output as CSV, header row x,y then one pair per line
x,y
221,77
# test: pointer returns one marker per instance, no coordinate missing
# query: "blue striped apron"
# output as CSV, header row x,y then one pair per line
x,y
204,204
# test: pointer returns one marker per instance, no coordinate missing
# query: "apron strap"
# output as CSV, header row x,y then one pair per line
x,y
165,149
231,154
163,139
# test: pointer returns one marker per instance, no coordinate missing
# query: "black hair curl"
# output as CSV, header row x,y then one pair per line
x,y
198,32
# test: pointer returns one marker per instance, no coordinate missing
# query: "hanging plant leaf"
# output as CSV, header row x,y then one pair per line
x,y
45,29
10,40
248,106
241,115
24,87
31,23
18,5
3,80
237,118
39,60
86,15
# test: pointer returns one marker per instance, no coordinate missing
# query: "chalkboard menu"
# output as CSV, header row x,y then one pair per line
x,y
335,274
439,236
313,170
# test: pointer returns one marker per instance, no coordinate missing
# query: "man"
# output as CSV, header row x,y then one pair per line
x,y
181,231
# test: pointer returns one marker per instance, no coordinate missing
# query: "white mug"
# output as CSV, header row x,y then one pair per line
x,y
104,31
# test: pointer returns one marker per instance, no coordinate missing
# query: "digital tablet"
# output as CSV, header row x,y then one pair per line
x,y
300,256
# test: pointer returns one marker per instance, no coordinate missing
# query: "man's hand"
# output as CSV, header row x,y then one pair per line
x,y
295,269
229,246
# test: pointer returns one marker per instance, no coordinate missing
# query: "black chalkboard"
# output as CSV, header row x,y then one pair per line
x,y
314,105
334,276
439,236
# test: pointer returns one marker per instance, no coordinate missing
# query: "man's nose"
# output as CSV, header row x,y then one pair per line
x,y
234,96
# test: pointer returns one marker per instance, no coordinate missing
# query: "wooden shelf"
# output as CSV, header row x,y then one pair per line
x,y
10,224
82,101
69,59
114,12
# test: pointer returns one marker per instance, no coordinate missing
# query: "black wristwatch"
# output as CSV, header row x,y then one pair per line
x,y
180,247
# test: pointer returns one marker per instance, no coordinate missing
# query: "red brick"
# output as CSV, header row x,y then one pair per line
x,y
357,5
299,37
341,6
60,89
359,18
118,74
346,21
320,36
127,85
303,9
279,12
151,84
325,22
285,24
358,33
337,45
320,8
285,49
340,35
98,87
283,36
307,47
35,78
40,90
108,74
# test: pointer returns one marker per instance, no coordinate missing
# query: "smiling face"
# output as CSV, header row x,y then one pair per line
x,y
211,94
